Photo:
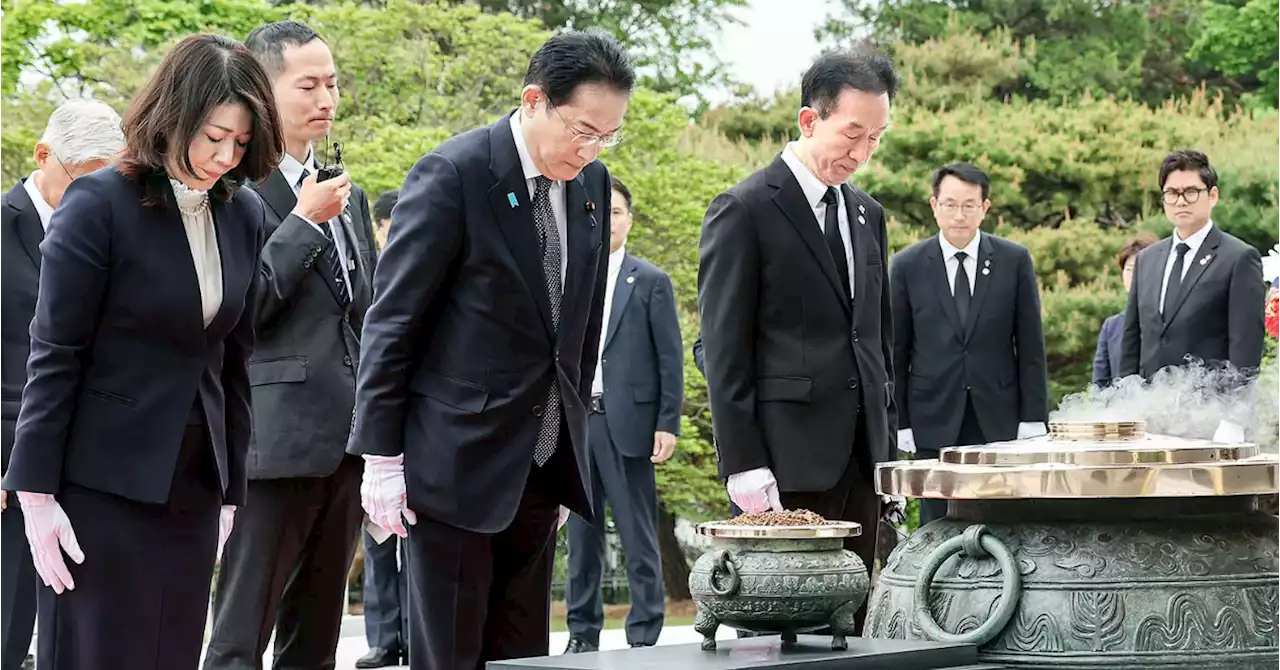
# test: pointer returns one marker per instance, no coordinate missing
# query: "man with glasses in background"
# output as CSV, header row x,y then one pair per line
x,y
82,136
968,350
1198,293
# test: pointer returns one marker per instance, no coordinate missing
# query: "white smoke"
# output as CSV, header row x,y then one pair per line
x,y
1186,401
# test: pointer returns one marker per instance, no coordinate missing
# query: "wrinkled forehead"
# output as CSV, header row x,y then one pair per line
x,y
860,110
596,108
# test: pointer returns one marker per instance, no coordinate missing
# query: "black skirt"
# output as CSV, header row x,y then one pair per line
x,y
142,594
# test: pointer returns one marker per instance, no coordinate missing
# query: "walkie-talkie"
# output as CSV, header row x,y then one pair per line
x,y
329,171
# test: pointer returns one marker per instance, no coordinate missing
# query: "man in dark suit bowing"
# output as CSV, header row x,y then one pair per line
x,y
968,346
286,562
635,408
794,297
80,137
1198,293
479,351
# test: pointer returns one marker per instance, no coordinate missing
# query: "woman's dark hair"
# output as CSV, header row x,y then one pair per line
x,y
1132,247
198,74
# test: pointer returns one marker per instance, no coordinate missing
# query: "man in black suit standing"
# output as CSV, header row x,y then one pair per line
x,y
286,562
792,288
636,398
968,346
81,136
479,351
1198,293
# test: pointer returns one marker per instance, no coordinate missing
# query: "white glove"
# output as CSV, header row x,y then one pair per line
x,y
754,491
226,520
49,533
1028,429
382,493
564,517
1228,433
907,441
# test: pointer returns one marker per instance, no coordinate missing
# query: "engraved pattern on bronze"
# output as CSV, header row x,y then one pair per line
x,y
1187,626
1034,634
1097,618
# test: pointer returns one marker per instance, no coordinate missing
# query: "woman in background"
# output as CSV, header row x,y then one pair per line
x,y
1106,361
130,445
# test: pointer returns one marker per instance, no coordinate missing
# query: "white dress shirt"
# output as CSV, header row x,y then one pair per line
x,y
615,268
202,237
814,189
556,194
292,171
949,252
1194,243
42,207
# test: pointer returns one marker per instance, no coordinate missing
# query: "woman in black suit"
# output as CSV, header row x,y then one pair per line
x,y
130,444
1106,359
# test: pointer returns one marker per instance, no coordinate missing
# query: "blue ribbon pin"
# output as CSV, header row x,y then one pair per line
x,y
511,198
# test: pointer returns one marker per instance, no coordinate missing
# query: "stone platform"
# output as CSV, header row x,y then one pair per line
x,y
810,653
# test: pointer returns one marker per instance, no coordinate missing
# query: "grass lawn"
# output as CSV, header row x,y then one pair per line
x,y
679,613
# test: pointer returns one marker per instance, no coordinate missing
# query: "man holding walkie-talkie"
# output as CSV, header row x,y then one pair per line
x,y
285,564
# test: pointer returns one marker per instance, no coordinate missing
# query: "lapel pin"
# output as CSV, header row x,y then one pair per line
x,y
1206,259
631,280
862,220
987,263
986,271
591,206
862,209
511,198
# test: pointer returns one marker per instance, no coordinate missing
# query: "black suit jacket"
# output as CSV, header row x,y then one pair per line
x,y
20,237
997,356
119,351
303,370
643,362
1217,316
459,347
787,359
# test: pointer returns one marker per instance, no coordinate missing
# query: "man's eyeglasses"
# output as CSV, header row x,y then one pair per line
x,y
63,165
583,139
968,208
1191,194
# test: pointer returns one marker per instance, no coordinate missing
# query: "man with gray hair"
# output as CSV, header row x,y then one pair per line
x,y
82,136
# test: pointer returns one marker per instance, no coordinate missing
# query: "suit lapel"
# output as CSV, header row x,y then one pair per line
x,y
856,210
27,222
171,237
222,224
1152,274
278,193
580,225
789,197
516,221
936,271
981,282
1199,264
621,295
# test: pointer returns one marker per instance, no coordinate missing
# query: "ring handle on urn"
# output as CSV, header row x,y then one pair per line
x,y
976,542
723,564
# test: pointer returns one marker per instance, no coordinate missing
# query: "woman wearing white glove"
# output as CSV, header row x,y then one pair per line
x,y
129,453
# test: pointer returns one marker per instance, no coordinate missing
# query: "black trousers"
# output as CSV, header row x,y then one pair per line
x,y
853,498
386,624
970,433
285,567
475,598
142,594
627,483
18,582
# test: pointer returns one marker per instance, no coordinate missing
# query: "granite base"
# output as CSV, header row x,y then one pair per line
x,y
811,652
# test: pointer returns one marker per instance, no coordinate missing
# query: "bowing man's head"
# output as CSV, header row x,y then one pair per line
x,y
844,109
207,118
81,136
575,95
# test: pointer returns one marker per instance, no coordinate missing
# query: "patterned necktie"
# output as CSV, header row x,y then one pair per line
x,y
331,255
544,220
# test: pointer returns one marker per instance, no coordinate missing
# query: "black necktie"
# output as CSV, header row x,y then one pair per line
x,y
835,243
963,293
331,257
544,221
1175,280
